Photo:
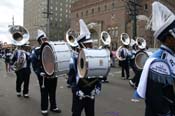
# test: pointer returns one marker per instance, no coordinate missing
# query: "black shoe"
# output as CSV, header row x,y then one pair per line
x,y
18,94
26,95
44,112
68,86
131,83
123,78
56,110
105,81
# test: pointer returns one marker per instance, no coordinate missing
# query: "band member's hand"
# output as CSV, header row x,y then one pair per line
x,y
93,92
80,93
97,91
42,74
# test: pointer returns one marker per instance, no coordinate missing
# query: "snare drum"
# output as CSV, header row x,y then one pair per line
x,y
55,58
93,63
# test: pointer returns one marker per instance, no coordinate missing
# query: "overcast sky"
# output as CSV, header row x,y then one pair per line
x,y
8,9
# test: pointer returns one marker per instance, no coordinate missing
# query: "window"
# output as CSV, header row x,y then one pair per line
x,y
98,9
92,11
105,7
86,12
113,5
145,7
77,15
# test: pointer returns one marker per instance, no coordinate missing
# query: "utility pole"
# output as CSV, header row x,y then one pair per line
x,y
48,13
13,21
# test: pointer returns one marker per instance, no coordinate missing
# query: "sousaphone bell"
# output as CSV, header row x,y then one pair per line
x,y
19,35
105,38
71,38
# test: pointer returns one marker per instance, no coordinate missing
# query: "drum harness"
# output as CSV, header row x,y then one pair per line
x,y
88,84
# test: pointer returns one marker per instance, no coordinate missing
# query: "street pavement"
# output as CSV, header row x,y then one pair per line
x,y
114,99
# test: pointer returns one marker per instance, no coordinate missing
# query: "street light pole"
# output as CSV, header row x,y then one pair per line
x,y
134,22
48,19
132,4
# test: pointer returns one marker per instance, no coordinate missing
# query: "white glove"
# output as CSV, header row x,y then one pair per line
x,y
97,91
80,93
42,74
93,92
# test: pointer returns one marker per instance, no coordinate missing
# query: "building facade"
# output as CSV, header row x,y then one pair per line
x,y
52,16
34,17
115,17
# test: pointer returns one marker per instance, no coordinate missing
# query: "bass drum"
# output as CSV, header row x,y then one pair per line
x,y
93,63
55,58
141,58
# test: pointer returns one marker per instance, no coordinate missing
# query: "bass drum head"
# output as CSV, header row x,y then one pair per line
x,y
82,66
140,59
47,59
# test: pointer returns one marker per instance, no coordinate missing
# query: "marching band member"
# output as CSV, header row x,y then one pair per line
x,y
84,89
7,56
132,53
106,40
140,47
157,79
71,40
125,62
122,54
48,91
21,61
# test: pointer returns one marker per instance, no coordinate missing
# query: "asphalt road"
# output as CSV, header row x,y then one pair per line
x,y
114,100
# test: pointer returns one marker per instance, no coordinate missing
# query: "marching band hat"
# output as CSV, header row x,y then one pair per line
x,y
163,21
41,34
85,35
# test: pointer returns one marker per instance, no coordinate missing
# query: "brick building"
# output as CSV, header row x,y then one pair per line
x,y
115,17
52,16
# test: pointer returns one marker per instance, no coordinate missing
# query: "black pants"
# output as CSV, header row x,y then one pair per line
x,y
23,76
49,91
125,68
78,105
136,77
132,65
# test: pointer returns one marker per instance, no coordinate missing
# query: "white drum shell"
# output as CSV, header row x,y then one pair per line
x,y
62,54
96,63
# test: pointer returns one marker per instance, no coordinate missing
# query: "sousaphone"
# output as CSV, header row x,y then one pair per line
x,y
71,38
142,55
125,41
105,38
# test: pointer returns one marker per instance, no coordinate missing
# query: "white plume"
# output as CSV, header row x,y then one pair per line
x,y
160,15
84,29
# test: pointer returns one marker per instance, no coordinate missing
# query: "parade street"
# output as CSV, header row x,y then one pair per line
x,y
114,99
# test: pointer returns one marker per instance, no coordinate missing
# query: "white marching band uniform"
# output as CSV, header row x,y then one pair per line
x,y
157,82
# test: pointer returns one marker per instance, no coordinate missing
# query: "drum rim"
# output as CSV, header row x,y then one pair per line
x,y
86,64
42,47
140,52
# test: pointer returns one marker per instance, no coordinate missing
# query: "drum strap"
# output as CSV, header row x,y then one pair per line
x,y
88,84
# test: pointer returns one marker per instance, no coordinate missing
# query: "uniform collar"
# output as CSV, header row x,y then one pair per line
x,y
163,47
